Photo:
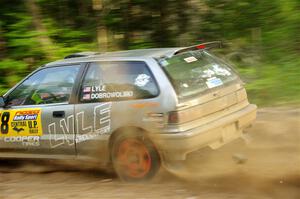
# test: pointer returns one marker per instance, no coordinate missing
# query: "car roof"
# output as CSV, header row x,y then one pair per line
x,y
132,54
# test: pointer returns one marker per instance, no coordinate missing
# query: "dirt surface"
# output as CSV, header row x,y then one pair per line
x,y
267,165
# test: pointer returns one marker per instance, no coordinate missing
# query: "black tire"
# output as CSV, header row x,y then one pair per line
x,y
134,150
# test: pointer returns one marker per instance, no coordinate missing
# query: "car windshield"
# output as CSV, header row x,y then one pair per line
x,y
195,72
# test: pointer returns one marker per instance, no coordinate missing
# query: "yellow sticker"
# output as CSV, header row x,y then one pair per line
x,y
22,122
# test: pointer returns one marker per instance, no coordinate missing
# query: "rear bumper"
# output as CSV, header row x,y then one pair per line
x,y
215,134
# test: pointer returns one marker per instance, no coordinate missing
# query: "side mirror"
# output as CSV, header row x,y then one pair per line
x,y
2,102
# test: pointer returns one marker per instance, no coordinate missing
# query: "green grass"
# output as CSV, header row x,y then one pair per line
x,y
273,84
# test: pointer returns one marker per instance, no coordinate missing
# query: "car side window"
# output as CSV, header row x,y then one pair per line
x,y
46,86
118,81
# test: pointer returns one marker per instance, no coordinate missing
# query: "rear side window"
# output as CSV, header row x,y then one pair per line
x,y
118,81
196,72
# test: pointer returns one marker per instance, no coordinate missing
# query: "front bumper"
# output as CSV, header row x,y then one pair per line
x,y
215,134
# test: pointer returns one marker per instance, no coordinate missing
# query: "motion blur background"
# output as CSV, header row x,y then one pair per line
x,y
261,37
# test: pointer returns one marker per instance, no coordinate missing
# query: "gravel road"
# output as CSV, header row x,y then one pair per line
x,y
265,166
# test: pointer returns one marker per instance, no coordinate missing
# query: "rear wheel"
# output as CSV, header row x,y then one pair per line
x,y
135,158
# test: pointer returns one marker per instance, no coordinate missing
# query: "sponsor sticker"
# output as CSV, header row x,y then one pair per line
x,y
100,92
86,96
208,73
213,82
190,59
108,95
25,140
87,89
164,62
221,71
23,122
142,80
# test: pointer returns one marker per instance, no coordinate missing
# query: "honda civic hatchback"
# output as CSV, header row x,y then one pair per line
x,y
133,110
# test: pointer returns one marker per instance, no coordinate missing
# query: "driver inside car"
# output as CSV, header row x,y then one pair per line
x,y
49,94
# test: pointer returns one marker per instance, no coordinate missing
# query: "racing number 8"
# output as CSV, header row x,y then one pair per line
x,y
5,120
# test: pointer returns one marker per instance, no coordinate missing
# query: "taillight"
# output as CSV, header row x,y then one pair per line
x,y
173,117
201,46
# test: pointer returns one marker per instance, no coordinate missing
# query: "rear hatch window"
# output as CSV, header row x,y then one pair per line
x,y
197,72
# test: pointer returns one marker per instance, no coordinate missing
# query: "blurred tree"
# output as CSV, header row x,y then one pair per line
x,y
46,44
102,32
33,32
2,44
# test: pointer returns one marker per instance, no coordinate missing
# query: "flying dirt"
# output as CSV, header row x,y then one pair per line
x,y
264,165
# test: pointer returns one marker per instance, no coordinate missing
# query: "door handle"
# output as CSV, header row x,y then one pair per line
x,y
59,114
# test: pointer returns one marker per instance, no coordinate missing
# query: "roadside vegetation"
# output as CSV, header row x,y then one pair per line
x,y
261,37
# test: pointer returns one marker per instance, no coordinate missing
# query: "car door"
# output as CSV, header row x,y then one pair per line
x,y
39,113
107,92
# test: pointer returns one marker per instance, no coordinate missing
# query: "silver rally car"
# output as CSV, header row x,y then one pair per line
x,y
136,110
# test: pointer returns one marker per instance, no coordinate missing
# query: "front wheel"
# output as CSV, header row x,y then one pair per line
x,y
135,158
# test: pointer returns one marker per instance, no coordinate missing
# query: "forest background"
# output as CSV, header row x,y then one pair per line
x,y
261,37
